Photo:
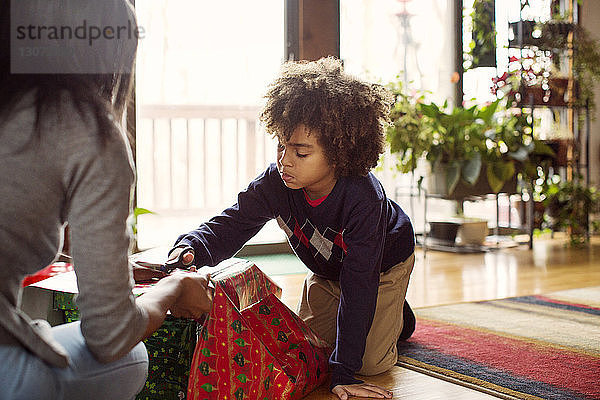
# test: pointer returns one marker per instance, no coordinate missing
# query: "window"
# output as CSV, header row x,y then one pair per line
x,y
202,69
410,40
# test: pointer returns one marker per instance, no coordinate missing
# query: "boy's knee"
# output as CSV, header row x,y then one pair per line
x,y
377,365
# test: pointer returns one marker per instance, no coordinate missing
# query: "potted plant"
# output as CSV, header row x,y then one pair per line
x,y
406,135
512,149
470,151
457,142
569,205
530,33
585,56
536,78
531,81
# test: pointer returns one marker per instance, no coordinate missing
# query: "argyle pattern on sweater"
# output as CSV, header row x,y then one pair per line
x,y
328,244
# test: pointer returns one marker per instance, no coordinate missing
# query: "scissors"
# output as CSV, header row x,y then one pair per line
x,y
178,262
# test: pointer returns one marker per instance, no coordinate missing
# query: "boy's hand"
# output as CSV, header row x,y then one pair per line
x,y
361,390
179,257
142,274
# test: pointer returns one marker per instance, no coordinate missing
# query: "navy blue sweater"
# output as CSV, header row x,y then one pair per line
x,y
351,237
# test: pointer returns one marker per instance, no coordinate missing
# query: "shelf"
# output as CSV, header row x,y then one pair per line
x,y
492,243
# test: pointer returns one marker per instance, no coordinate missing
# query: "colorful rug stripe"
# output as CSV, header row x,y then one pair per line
x,y
563,305
526,364
481,375
537,323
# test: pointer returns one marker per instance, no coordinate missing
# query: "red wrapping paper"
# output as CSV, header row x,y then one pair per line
x,y
50,271
252,346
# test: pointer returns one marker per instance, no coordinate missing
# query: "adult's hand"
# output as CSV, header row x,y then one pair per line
x,y
185,293
361,390
195,298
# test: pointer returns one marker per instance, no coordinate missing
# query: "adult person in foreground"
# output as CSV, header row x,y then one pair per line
x,y
65,159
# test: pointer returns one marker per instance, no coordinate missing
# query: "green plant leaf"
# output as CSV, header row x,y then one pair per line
x,y
495,183
498,173
471,169
543,149
487,113
139,211
430,110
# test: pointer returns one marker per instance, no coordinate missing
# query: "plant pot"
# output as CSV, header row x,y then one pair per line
x,y
436,184
472,231
443,230
482,187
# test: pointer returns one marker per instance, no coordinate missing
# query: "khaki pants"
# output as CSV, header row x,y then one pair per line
x,y
319,306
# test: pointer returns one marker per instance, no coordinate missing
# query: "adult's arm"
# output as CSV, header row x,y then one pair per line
x,y
98,182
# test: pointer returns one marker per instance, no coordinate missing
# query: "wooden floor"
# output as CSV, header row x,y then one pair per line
x,y
444,278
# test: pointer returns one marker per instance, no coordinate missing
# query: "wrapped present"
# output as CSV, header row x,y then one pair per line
x,y
252,346
45,273
170,348
170,351
65,302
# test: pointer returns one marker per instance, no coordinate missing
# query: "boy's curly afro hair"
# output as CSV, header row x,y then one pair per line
x,y
348,114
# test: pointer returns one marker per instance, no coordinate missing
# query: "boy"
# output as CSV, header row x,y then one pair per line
x,y
357,243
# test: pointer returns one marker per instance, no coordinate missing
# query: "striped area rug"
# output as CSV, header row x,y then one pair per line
x,y
532,347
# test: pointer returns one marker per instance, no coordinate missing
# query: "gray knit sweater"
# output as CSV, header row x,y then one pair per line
x,y
67,176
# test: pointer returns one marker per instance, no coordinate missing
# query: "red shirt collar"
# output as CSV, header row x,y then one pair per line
x,y
315,202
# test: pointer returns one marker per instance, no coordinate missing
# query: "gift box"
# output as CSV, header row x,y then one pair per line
x,y
48,272
65,302
252,346
170,351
